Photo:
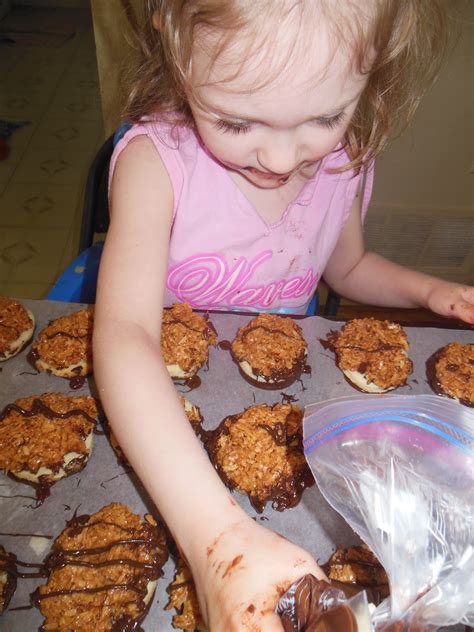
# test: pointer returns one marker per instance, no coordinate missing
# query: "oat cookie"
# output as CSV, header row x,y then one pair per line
x,y
451,372
183,599
270,351
358,567
193,413
103,571
64,347
372,354
259,452
46,437
8,575
17,325
185,340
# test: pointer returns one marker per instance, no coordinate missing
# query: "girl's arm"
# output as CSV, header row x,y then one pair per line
x,y
369,278
142,406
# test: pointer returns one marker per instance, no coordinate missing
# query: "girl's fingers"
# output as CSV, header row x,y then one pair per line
x,y
465,312
468,294
269,623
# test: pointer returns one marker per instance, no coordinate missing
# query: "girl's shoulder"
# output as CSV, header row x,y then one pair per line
x,y
167,133
176,144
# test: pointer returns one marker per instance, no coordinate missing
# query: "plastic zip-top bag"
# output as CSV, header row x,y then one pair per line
x,y
400,470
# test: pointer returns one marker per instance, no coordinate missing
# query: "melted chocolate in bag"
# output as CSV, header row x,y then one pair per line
x,y
312,605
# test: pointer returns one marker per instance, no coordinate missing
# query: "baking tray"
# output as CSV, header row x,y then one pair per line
x,y
313,524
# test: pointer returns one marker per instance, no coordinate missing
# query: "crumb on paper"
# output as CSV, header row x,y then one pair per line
x,y
38,543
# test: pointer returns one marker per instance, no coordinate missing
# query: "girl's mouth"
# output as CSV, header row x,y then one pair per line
x,y
265,175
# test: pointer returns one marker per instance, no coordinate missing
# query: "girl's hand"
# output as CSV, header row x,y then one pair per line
x,y
452,300
248,568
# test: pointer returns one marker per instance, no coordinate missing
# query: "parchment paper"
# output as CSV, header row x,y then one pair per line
x,y
312,524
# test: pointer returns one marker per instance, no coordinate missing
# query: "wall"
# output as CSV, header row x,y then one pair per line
x,y
67,4
422,213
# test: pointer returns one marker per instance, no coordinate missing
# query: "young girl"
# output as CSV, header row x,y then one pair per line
x,y
244,179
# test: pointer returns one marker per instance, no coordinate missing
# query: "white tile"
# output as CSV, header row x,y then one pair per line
x,y
40,206
30,255
18,104
82,107
66,134
49,166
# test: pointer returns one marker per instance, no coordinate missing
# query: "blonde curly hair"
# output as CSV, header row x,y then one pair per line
x,y
405,41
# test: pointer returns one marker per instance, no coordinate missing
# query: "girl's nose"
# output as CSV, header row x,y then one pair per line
x,y
279,152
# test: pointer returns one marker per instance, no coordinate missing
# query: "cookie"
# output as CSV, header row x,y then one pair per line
x,y
358,567
64,347
46,437
8,576
103,571
185,340
372,354
270,351
17,325
259,453
451,372
183,598
193,413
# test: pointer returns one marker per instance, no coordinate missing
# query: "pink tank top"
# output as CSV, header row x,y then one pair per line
x,y
222,254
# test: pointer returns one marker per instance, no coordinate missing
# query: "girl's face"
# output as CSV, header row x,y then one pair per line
x,y
272,132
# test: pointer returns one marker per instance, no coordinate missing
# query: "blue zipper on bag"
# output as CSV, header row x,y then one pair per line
x,y
465,440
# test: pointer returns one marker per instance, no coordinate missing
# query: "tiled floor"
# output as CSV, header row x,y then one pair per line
x,y
56,89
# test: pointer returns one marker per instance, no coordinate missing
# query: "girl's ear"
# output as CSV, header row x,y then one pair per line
x,y
155,20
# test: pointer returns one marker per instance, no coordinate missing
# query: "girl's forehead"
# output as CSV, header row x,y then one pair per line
x,y
293,52
271,74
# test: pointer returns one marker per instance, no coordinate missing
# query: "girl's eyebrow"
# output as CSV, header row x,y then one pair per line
x,y
218,113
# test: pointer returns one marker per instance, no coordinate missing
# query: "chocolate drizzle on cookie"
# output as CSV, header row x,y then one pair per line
x,y
372,354
8,586
64,346
40,408
356,568
450,372
133,556
31,451
274,471
270,352
16,327
185,340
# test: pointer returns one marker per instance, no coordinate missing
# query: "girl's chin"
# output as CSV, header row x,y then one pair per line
x,y
264,184
263,180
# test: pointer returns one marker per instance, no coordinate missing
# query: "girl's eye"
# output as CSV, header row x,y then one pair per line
x,y
232,128
332,121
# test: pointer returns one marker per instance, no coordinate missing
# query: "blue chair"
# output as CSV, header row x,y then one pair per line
x,y
78,282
